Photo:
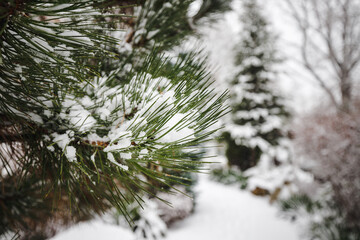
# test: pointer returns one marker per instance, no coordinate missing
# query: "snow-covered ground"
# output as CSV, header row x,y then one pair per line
x,y
95,230
228,213
221,213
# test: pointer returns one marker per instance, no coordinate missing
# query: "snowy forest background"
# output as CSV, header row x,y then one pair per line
x,y
223,119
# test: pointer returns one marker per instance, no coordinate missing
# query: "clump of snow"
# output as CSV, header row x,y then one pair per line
x,y
174,133
126,155
18,68
51,148
42,43
63,50
240,131
35,117
120,144
144,152
63,141
260,143
70,153
151,34
111,158
78,116
93,137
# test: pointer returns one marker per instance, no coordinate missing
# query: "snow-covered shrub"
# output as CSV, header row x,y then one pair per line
x,y
318,216
152,219
180,206
149,225
229,175
330,141
279,182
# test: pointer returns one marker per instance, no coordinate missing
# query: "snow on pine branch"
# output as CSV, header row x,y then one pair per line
x,y
148,112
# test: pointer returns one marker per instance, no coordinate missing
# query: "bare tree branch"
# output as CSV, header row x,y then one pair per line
x,y
330,34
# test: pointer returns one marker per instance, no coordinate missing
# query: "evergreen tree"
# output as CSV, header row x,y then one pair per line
x,y
254,131
88,121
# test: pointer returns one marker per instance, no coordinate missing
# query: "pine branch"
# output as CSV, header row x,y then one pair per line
x,y
89,130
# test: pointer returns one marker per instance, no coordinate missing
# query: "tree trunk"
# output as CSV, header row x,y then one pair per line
x,y
345,87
